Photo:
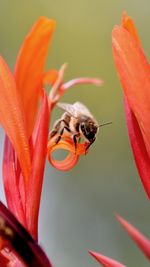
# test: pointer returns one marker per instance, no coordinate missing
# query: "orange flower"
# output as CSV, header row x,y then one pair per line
x,y
25,111
134,72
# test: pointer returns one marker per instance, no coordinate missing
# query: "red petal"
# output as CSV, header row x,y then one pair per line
x,y
105,261
12,118
3,260
142,242
30,67
134,72
139,150
23,247
11,181
38,164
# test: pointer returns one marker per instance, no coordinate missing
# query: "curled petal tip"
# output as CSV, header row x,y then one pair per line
x,y
71,159
105,261
142,242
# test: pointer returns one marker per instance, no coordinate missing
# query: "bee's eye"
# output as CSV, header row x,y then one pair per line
x,y
82,126
88,129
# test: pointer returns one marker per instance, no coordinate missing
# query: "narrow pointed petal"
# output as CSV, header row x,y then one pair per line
x,y
106,261
30,67
142,242
134,73
11,180
54,94
82,80
60,89
38,163
139,150
22,244
71,159
12,118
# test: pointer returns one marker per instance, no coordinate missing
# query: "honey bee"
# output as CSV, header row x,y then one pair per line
x,y
78,121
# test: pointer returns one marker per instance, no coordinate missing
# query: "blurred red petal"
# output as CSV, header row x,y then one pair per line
x,y
134,72
12,118
139,150
71,159
38,162
22,246
106,261
13,260
3,260
142,242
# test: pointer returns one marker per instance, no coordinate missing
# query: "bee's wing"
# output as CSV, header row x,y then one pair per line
x,y
69,108
82,109
76,109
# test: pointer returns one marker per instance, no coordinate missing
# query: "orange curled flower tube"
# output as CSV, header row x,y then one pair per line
x,y
66,143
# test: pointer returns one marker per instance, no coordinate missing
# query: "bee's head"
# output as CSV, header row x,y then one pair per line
x,y
89,129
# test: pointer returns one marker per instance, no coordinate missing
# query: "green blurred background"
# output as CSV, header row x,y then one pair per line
x,y
78,207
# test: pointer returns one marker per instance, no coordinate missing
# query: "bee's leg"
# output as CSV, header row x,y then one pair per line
x,y
75,140
61,133
90,143
53,133
57,126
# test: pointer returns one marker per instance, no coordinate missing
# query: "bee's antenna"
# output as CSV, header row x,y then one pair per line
x,y
103,124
